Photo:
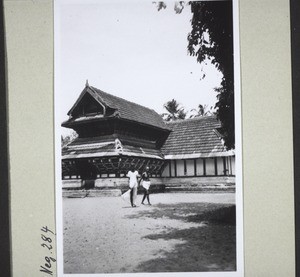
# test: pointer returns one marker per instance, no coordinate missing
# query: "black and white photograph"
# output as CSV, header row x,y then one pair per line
x,y
148,138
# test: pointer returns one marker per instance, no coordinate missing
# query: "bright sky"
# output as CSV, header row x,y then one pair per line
x,y
131,50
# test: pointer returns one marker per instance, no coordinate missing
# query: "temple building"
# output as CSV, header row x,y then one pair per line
x,y
115,135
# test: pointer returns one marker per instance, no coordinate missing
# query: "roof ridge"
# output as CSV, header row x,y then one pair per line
x,y
191,119
92,88
123,99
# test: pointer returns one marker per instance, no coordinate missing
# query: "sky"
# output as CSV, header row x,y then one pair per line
x,y
131,50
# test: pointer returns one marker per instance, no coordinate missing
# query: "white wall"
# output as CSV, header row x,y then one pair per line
x,y
180,167
172,168
72,183
190,171
233,165
166,171
210,166
199,166
220,166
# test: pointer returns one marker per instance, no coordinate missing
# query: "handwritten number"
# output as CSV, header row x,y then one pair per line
x,y
49,260
48,246
45,229
46,238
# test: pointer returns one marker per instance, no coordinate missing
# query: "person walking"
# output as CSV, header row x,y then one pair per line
x,y
133,176
145,179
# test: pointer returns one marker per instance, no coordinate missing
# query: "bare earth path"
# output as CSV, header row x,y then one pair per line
x,y
180,232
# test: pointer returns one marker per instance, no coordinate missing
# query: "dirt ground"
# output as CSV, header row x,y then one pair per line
x,y
180,232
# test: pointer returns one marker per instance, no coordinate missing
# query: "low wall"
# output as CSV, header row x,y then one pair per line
x,y
111,182
196,184
122,183
192,181
72,183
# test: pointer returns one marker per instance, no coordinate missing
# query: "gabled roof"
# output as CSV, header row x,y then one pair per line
x,y
193,138
124,109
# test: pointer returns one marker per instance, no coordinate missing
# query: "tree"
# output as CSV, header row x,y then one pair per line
x,y
202,110
175,111
65,140
211,38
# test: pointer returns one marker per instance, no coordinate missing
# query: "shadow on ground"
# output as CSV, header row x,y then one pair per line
x,y
209,247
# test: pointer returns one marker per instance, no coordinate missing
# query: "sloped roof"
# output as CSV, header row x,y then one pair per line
x,y
123,108
190,138
195,137
99,147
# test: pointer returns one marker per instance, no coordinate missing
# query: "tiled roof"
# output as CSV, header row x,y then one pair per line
x,y
97,147
195,136
124,108
131,111
103,139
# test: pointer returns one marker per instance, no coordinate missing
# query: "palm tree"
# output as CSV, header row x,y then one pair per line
x,y
201,111
175,111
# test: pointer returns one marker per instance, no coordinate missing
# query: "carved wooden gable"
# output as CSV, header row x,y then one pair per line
x,y
87,105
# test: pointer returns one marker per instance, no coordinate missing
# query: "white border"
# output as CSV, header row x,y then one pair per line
x,y
238,141
239,166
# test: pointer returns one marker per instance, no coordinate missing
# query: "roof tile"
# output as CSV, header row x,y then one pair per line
x,y
195,135
131,111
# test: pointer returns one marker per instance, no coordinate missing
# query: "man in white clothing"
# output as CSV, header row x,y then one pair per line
x,y
133,176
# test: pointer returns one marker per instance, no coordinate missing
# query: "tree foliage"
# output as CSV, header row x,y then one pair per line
x,y
65,140
211,38
202,110
175,111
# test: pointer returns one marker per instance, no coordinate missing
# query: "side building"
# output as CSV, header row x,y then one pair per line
x,y
195,155
115,135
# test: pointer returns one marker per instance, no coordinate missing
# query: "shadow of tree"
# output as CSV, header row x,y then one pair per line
x,y
191,212
209,247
